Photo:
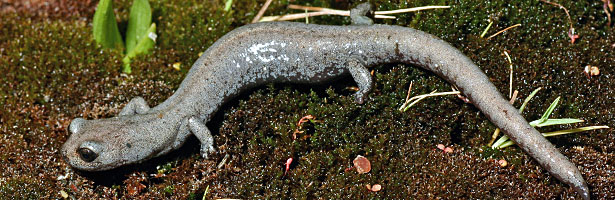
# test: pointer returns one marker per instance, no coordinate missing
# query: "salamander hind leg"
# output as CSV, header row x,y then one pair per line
x,y
361,14
200,130
364,79
136,106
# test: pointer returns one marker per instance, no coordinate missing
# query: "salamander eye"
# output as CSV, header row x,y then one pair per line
x,y
87,154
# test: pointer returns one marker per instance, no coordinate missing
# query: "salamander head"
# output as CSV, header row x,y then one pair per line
x,y
103,144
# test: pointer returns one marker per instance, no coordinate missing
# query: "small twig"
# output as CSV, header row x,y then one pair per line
x,y
499,32
571,34
607,4
514,97
261,12
405,10
289,17
407,97
460,96
409,89
494,136
327,11
486,29
433,94
418,98
317,9
511,75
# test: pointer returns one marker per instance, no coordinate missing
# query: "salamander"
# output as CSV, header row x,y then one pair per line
x,y
267,52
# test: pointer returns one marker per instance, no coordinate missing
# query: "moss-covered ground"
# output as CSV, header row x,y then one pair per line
x,y
53,72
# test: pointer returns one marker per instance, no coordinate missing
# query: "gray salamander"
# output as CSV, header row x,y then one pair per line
x,y
260,53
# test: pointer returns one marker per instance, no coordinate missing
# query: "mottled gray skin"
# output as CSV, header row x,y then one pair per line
x,y
300,53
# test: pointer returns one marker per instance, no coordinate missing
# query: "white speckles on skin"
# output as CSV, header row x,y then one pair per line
x,y
260,47
238,66
283,57
263,52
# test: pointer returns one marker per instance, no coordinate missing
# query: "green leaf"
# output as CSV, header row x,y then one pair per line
x,y
142,47
548,112
126,68
555,133
528,99
576,130
505,144
138,23
104,27
227,5
500,142
486,29
551,122
145,43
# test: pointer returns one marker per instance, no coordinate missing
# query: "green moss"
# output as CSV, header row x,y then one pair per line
x,y
169,189
20,188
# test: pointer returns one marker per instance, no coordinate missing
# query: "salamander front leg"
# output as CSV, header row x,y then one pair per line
x,y
200,130
364,79
136,106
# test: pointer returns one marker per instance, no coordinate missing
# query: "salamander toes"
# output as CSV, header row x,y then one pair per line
x,y
207,149
359,97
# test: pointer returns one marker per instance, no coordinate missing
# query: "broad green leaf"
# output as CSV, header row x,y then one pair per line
x,y
138,22
104,27
551,122
227,5
142,47
145,43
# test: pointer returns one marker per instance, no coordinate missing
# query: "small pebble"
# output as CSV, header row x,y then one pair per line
x,y
503,163
591,71
63,194
61,177
177,66
594,71
376,188
362,164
